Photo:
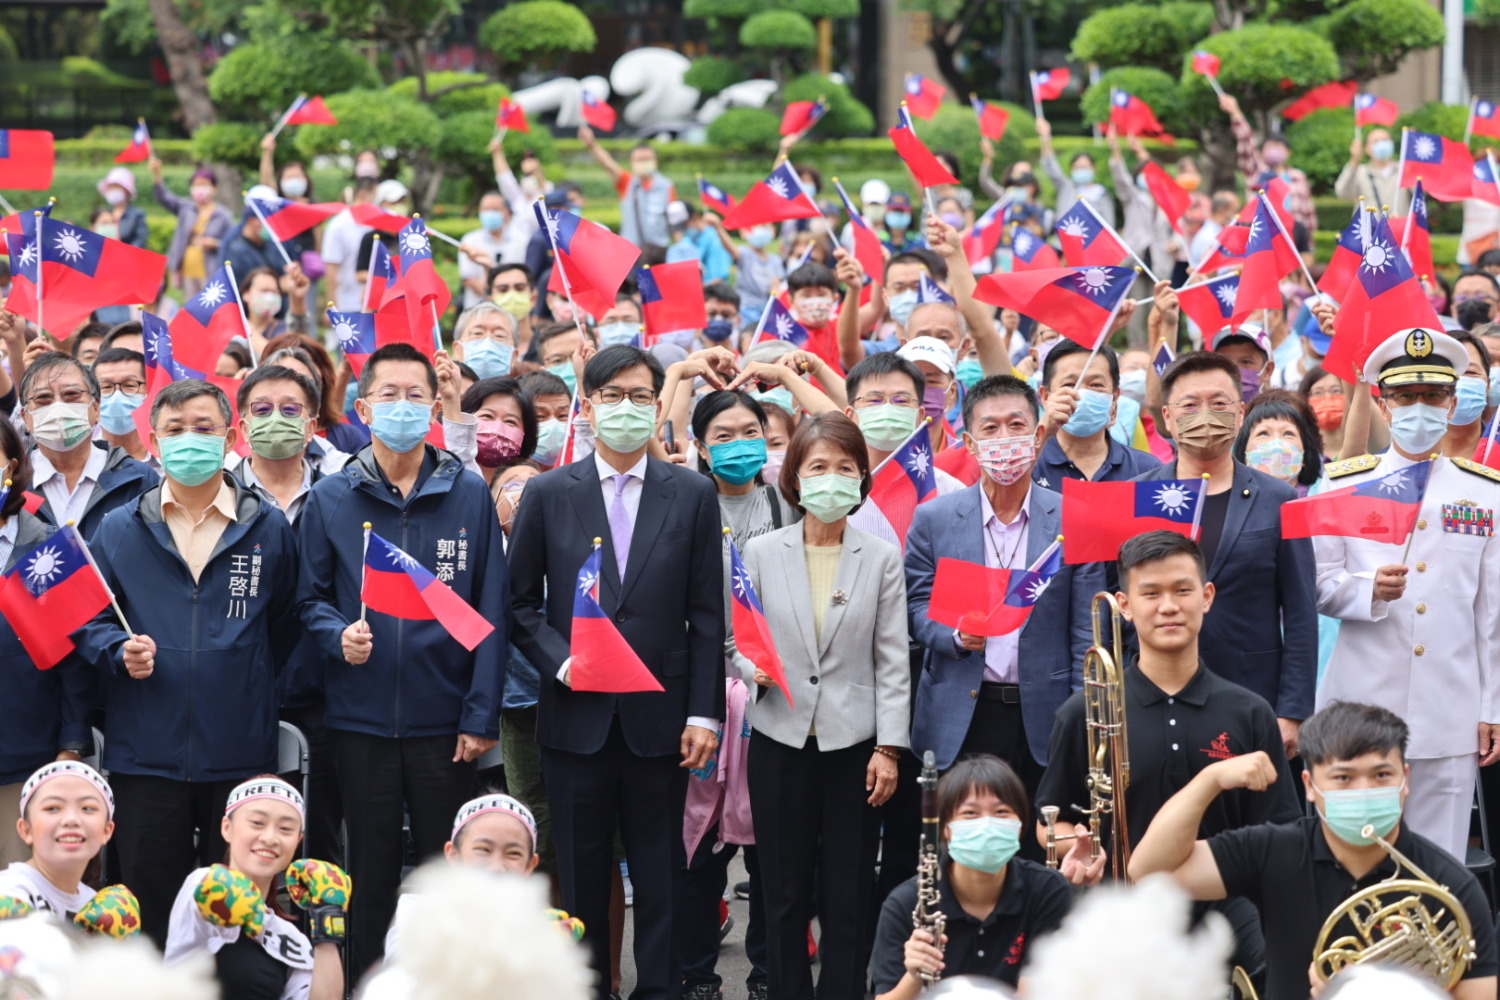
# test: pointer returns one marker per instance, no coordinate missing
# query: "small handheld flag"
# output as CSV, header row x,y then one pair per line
x,y
905,479
752,633
923,96
1099,517
1372,110
309,111
802,115
596,112
927,169
1078,302
992,118
988,602
1049,84
396,584
1382,510
27,159
1484,118
672,297
52,590
778,323
778,198
140,145
510,115
1205,63
601,658
1444,166
715,198
590,262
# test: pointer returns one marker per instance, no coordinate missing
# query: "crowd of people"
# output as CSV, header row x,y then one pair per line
x,y
1296,706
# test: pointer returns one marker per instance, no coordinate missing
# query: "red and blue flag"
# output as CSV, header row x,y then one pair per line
x,y
1029,252
930,291
207,322
1384,296
778,323
427,296
1444,166
928,170
1088,240
396,584
309,111
1345,259
1372,110
1206,63
1484,118
590,263
1172,198
52,591
1132,116
1413,231
992,118
671,298
1269,256
776,199
923,95
510,115
1078,302
867,247
355,333
601,658
1214,304
715,198
1049,84
1486,182
752,633
289,219
140,145
26,159
905,479
370,214
1382,510
984,601
597,112
800,116
1099,517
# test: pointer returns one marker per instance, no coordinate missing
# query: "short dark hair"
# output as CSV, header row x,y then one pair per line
x,y
1286,405
20,479
543,383
884,363
239,351
551,332
1194,362
1345,730
936,266
175,394
613,360
130,328
504,266
271,372
1313,376
711,404
721,292
397,351
811,275
982,772
49,360
1483,275
116,354
503,385
1065,347
88,330
1154,547
839,431
994,386
1470,339
1490,258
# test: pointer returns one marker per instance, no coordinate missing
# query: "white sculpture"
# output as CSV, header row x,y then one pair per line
x,y
656,76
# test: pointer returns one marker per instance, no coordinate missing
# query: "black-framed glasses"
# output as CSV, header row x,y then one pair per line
x,y
262,408
609,395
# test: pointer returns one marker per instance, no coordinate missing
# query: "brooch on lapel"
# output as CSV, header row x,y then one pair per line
x,y
840,598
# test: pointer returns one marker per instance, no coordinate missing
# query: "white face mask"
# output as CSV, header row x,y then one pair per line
x,y
60,426
1007,459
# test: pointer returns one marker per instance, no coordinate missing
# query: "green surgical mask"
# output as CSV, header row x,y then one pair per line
x,y
565,372
829,497
624,426
886,425
192,459
275,436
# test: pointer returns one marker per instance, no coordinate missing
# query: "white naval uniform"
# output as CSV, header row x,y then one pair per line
x,y
1430,656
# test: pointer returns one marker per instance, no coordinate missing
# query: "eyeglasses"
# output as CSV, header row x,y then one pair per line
x,y
172,432
130,387
1219,404
609,395
1406,397
47,398
880,398
1461,299
262,408
390,394
502,289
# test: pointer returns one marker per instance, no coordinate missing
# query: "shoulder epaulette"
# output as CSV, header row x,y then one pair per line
x,y
1469,465
1349,466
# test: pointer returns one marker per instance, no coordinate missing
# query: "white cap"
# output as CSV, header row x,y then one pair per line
x,y
388,191
930,350
874,192
677,213
1416,356
1252,332
263,192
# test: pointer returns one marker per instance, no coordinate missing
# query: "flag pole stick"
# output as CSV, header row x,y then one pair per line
x,y
281,122
922,428
1213,81
1468,123
363,571
107,589
437,327
9,208
1198,509
545,218
40,217
1036,100
286,258
1411,534
234,287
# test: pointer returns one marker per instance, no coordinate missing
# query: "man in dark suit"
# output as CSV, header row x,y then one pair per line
x,y
1262,632
622,760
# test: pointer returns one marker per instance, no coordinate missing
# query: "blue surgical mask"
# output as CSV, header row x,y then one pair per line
x,y
1494,395
1018,195
1347,811
901,305
1473,396
985,844
1133,384
400,425
898,220
1091,414
682,338
760,237
1082,175
718,330
488,357
1382,149
1418,428
117,409
491,220
550,435
565,372
969,372
611,334
737,462
779,396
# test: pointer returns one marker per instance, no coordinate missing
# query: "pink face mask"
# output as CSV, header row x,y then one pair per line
x,y
1007,459
499,443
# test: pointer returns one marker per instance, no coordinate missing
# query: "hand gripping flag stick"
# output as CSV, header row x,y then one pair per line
x,y
255,207
544,216
114,602
1411,536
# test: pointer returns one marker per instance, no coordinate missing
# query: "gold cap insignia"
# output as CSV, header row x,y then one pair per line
x,y
1418,344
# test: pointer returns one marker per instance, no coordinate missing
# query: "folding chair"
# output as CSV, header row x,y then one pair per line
x,y
1481,860
294,757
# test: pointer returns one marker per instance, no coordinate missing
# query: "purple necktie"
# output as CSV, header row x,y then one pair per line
x,y
619,524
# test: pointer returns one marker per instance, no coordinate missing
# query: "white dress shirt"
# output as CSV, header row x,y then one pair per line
x,y
67,505
8,539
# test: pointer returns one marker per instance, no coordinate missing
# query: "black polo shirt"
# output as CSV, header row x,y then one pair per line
x,y
1171,739
1034,901
1290,873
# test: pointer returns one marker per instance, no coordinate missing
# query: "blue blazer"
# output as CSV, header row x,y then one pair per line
x,y
1053,640
1262,632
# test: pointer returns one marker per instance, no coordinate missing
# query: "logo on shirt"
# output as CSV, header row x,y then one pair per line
x,y
244,582
452,556
1218,748
1013,957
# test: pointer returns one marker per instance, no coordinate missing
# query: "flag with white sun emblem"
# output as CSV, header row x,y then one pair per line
x,y
778,323
1444,166
356,336
590,263
51,592
207,322
1099,517
1087,239
1215,304
426,293
602,660
1269,257
1384,297
905,479
1078,302
1027,586
396,584
1413,232
776,199
1382,509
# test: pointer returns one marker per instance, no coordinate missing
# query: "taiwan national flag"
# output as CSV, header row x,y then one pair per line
x,y
1382,510
355,333
427,295
596,112
923,96
1099,517
1088,240
207,322
591,262
1414,234
1486,183
1170,197
1206,63
715,198
1442,165
26,160
905,479
1030,252
163,368
396,584
75,271
867,246
1132,116
802,115
930,291
1384,296
752,633
671,298
1484,119
12,225
980,242
992,118
510,115
1078,302
139,148
309,111
778,323
368,214
1049,84
1269,256
1372,110
290,219
383,270
1213,304
927,169
1337,94
988,602
1345,260
601,658
776,199
1228,249
52,591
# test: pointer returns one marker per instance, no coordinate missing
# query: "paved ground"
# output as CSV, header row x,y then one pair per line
x,y
733,966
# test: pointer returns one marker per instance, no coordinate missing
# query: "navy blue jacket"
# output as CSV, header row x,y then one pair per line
x,y
419,681
208,710
123,479
46,710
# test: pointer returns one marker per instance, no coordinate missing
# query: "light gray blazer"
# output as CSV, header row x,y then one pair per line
x,y
852,685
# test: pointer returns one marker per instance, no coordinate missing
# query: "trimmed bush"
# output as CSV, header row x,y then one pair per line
x,y
778,30
537,32
846,116
746,130
711,74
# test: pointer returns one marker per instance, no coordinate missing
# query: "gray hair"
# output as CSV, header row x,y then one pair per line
x,y
176,394
477,310
49,360
963,324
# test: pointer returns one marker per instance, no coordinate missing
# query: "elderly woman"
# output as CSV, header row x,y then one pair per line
x,y
202,224
824,748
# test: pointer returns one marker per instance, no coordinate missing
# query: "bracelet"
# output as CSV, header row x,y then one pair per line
x,y
888,752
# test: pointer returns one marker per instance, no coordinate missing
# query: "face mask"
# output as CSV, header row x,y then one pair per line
x,y
1189,182
1018,195
779,396
898,220
275,436
813,311
565,372
517,304
737,462
718,330
1494,392
1276,457
294,187
488,357
1206,431
1082,175
829,497
114,195
934,401
398,208
1473,396
1382,149
550,435
1007,459
624,426
116,409
108,230
771,471
643,167
759,237
682,338
1249,383
986,844
60,426
498,443
192,459
886,425
401,425
953,219
1133,384
617,333
1091,415
1347,811
809,188
1439,302
969,372
202,194
1418,428
1329,410
367,169
901,305
265,303
492,220
1274,156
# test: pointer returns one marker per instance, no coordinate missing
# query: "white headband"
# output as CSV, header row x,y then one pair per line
x,y
265,788
65,768
495,803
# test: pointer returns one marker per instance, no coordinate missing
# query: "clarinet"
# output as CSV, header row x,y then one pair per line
x,y
927,916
